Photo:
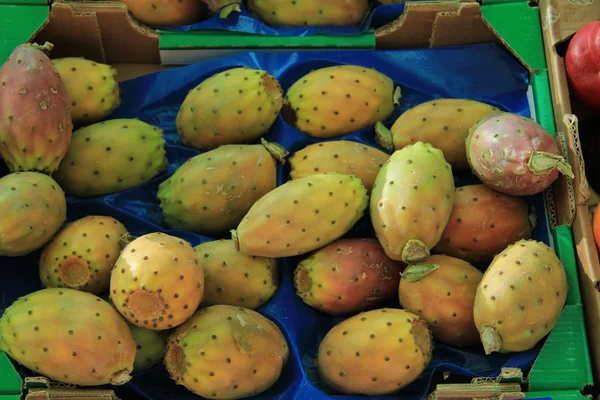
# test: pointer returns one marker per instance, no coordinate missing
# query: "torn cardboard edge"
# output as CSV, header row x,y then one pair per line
x,y
42,388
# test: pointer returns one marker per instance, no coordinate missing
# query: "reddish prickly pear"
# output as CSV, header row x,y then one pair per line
x,y
69,336
375,353
342,156
92,88
82,255
234,278
442,291
310,12
223,7
157,282
443,123
334,101
110,157
235,106
302,215
211,192
35,122
514,155
520,298
166,12
411,202
347,276
483,223
32,209
226,352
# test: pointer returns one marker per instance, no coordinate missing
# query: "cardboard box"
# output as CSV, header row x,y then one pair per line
x,y
95,30
560,21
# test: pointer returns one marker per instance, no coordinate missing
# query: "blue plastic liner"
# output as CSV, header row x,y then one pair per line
x,y
479,72
245,22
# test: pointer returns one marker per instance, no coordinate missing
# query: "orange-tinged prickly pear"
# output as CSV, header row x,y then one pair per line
x,y
166,12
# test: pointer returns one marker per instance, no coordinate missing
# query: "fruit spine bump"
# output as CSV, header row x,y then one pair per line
x,y
35,121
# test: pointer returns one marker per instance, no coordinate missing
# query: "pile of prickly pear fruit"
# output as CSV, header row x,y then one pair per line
x,y
381,236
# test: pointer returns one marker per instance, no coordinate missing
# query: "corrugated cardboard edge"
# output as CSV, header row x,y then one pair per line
x,y
560,20
42,388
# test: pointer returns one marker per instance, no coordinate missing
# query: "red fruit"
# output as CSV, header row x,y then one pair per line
x,y
35,122
582,63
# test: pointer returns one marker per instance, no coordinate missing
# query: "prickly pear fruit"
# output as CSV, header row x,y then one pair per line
x,y
520,298
82,255
110,157
234,278
32,209
483,223
302,215
334,101
223,7
35,122
390,1
309,12
443,123
342,156
514,155
376,352
69,336
211,192
150,346
166,12
92,88
232,107
442,291
347,276
157,282
226,352
411,202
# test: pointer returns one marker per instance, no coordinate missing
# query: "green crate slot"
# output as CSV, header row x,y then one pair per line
x,y
17,25
558,395
10,382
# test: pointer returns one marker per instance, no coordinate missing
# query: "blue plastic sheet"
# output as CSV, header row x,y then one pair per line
x,y
480,72
245,22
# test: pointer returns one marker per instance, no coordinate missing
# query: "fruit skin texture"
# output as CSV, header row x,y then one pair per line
x,y
443,123
211,192
92,88
157,282
223,7
226,352
514,155
35,122
443,296
342,156
348,276
81,256
396,343
69,336
110,157
581,63
304,12
32,209
302,215
596,229
231,107
483,223
333,101
166,12
412,201
236,279
520,298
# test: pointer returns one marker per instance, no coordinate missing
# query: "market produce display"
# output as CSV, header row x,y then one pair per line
x,y
399,244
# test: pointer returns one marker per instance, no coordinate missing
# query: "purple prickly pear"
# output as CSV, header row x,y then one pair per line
x,y
69,336
35,122
412,201
226,352
32,209
310,12
514,155
375,353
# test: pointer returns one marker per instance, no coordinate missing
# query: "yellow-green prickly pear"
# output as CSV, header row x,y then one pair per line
x,y
69,336
375,353
412,201
333,101
226,352
92,88
310,12
520,298
232,107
